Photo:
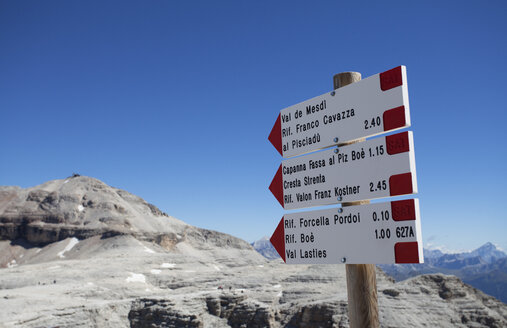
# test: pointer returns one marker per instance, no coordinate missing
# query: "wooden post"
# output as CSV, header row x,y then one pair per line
x,y
361,278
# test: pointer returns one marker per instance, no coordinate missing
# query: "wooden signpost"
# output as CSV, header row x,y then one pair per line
x,y
358,234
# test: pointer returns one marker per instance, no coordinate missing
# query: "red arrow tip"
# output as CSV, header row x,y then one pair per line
x,y
278,239
276,135
276,186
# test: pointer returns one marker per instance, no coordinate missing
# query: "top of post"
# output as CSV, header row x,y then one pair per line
x,y
345,78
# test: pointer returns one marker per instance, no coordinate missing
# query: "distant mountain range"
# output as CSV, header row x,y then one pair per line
x,y
264,247
484,268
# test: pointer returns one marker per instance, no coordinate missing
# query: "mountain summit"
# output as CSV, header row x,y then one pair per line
x,y
489,252
264,247
83,207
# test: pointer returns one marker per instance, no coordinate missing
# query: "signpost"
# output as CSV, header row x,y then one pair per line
x,y
359,235
377,168
376,233
372,106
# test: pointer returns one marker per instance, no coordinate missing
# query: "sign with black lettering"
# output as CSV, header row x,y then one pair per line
x,y
369,107
382,233
377,168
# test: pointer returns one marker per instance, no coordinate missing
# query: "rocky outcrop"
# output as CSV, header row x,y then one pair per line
x,y
239,311
486,311
224,305
147,313
251,314
321,315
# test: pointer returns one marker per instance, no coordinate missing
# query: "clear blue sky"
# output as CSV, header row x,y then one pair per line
x,y
174,100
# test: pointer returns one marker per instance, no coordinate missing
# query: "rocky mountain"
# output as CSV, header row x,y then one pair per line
x,y
432,253
78,253
488,252
484,268
264,247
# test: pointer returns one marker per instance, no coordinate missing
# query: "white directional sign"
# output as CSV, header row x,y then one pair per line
x,y
369,107
382,233
377,168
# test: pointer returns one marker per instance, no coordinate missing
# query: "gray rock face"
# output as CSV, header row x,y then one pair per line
x,y
160,313
141,268
240,311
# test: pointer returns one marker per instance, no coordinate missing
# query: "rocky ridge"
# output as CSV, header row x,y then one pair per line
x,y
119,262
